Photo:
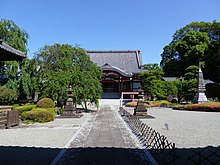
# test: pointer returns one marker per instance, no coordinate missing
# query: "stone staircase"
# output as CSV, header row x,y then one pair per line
x,y
108,102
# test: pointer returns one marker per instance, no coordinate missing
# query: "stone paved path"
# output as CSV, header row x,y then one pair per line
x,y
104,139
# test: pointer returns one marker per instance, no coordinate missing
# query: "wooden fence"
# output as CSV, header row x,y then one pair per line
x,y
3,119
162,149
12,118
9,119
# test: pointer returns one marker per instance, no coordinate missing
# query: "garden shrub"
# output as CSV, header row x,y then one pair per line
x,y
208,107
24,108
40,115
45,103
157,103
7,96
134,104
14,106
149,104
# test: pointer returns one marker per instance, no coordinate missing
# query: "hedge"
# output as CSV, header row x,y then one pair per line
x,y
149,104
24,108
207,107
40,115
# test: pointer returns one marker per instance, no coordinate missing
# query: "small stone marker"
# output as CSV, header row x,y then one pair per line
x,y
69,110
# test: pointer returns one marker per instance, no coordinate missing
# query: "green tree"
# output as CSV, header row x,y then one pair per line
x,y
64,65
189,83
194,43
153,83
17,78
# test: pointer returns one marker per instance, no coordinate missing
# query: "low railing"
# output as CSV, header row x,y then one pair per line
x,y
12,118
152,140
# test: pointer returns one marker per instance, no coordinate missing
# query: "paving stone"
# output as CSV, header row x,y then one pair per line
x,y
107,141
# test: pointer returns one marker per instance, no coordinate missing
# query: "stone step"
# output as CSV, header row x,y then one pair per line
x,y
103,102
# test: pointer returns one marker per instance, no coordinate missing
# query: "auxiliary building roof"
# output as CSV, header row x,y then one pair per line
x,y
8,53
128,60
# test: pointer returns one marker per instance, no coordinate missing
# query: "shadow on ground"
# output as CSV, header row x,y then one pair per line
x,y
188,156
107,156
27,155
77,156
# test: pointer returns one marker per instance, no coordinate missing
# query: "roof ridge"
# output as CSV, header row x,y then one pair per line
x,y
112,51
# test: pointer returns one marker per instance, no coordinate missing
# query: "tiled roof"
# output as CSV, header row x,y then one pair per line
x,y
170,78
8,53
176,78
127,60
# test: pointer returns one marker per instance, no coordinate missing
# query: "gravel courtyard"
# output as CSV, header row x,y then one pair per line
x,y
186,129
38,143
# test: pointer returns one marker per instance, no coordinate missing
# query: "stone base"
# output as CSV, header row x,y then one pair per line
x,y
201,98
143,115
70,114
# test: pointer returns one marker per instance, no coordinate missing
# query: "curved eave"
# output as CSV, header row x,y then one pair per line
x,y
115,69
8,53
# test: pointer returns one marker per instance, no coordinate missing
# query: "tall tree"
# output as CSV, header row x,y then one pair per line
x,y
16,37
64,65
198,41
152,81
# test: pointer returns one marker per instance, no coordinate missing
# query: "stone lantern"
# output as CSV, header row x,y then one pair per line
x,y
70,109
140,109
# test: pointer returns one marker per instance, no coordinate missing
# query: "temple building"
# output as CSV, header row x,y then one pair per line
x,y
8,53
120,72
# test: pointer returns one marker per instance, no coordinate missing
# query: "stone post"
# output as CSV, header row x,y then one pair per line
x,y
200,96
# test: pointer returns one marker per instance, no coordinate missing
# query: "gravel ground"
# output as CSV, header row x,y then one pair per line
x,y
38,143
186,129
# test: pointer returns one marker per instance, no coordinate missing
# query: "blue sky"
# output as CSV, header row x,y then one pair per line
x,y
147,25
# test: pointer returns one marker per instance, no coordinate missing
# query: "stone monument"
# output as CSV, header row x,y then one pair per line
x,y
70,110
140,109
200,96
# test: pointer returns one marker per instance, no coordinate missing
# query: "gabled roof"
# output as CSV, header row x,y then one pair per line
x,y
126,60
8,53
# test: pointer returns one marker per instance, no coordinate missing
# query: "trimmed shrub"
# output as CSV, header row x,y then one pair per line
x,y
157,103
134,104
24,108
14,106
45,103
207,107
149,104
40,115
210,107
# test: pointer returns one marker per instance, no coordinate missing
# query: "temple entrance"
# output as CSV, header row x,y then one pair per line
x,y
110,90
110,87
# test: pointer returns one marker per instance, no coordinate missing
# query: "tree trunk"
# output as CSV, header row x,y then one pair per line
x,y
86,109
